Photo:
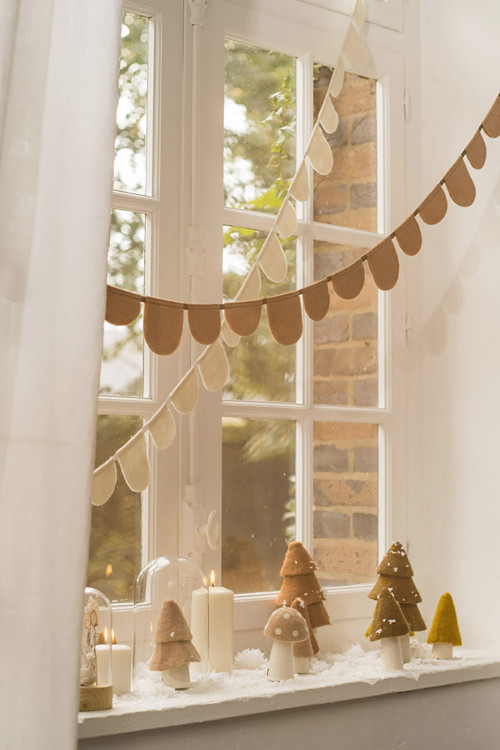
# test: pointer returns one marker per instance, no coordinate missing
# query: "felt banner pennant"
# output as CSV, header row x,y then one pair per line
x,y
272,259
214,367
231,338
337,79
250,289
243,317
103,484
204,323
286,221
384,264
355,47
122,307
134,462
476,151
317,300
359,13
284,316
328,116
433,208
162,428
409,236
491,122
163,322
349,282
300,184
460,184
319,153
185,396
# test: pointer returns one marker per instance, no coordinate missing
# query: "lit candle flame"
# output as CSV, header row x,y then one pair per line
x,y
106,634
109,570
212,578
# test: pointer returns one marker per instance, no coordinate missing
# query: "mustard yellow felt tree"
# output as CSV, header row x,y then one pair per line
x,y
444,632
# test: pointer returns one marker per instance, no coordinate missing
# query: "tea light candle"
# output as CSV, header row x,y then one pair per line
x,y
220,602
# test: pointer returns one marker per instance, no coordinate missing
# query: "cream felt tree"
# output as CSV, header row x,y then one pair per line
x,y
396,574
173,650
444,632
300,581
388,625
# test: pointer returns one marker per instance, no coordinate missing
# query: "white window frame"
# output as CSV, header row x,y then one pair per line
x,y
185,481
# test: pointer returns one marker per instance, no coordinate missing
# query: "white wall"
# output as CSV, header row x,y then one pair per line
x,y
454,436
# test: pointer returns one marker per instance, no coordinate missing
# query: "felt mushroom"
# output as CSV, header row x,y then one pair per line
x,y
303,651
173,650
388,625
286,626
444,632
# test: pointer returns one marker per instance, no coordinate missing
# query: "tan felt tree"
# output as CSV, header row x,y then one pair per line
x,y
173,650
388,625
300,581
444,632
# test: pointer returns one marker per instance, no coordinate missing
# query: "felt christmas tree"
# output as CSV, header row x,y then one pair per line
x,y
396,574
444,632
303,651
173,650
388,625
299,581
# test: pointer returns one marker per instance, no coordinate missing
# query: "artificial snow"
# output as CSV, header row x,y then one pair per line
x,y
249,677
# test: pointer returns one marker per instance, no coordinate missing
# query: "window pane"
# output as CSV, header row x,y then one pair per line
x,y
345,341
115,535
259,126
131,115
258,501
345,502
348,196
261,369
122,369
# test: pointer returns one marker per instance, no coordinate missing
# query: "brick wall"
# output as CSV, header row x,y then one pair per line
x,y
345,349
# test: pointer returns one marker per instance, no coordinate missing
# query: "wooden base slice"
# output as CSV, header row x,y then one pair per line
x,y
96,697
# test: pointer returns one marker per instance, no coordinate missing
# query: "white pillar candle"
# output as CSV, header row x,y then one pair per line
x,y
212,628
121,666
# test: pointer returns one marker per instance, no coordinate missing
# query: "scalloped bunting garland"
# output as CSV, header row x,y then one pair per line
x,y
163,324
272,259
459,184
250,289
122,307
286,221
284,316
243,317
319,153
316,299
359,13
162,427
337,79
491,123
300,184
328,116
384,264
134,462
476,151
349,282
433,208
409,236
104,483
355,47
185,396
204,323
213,366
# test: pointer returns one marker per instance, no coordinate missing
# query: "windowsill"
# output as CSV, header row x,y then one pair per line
x,y
351,676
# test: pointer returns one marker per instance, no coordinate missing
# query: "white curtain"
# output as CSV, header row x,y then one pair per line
x,y
58,81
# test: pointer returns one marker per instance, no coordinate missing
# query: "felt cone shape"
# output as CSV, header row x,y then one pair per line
x,y
185,396
134,462
163,324
384,265
403,589
122,307
214,367
349,282
173,647
337,79
243,317
316,300
355,47
395,562
284,316
319,153
409,236
204,323
433,208
444,628
388,619
300,184
460,185
272,259
162,428
475,151
300,581
328,116
286,221
491,122
103,484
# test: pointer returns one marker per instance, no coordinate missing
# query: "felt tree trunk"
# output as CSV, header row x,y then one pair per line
x,y
388,626
396,575
444,632
299,581
173,650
